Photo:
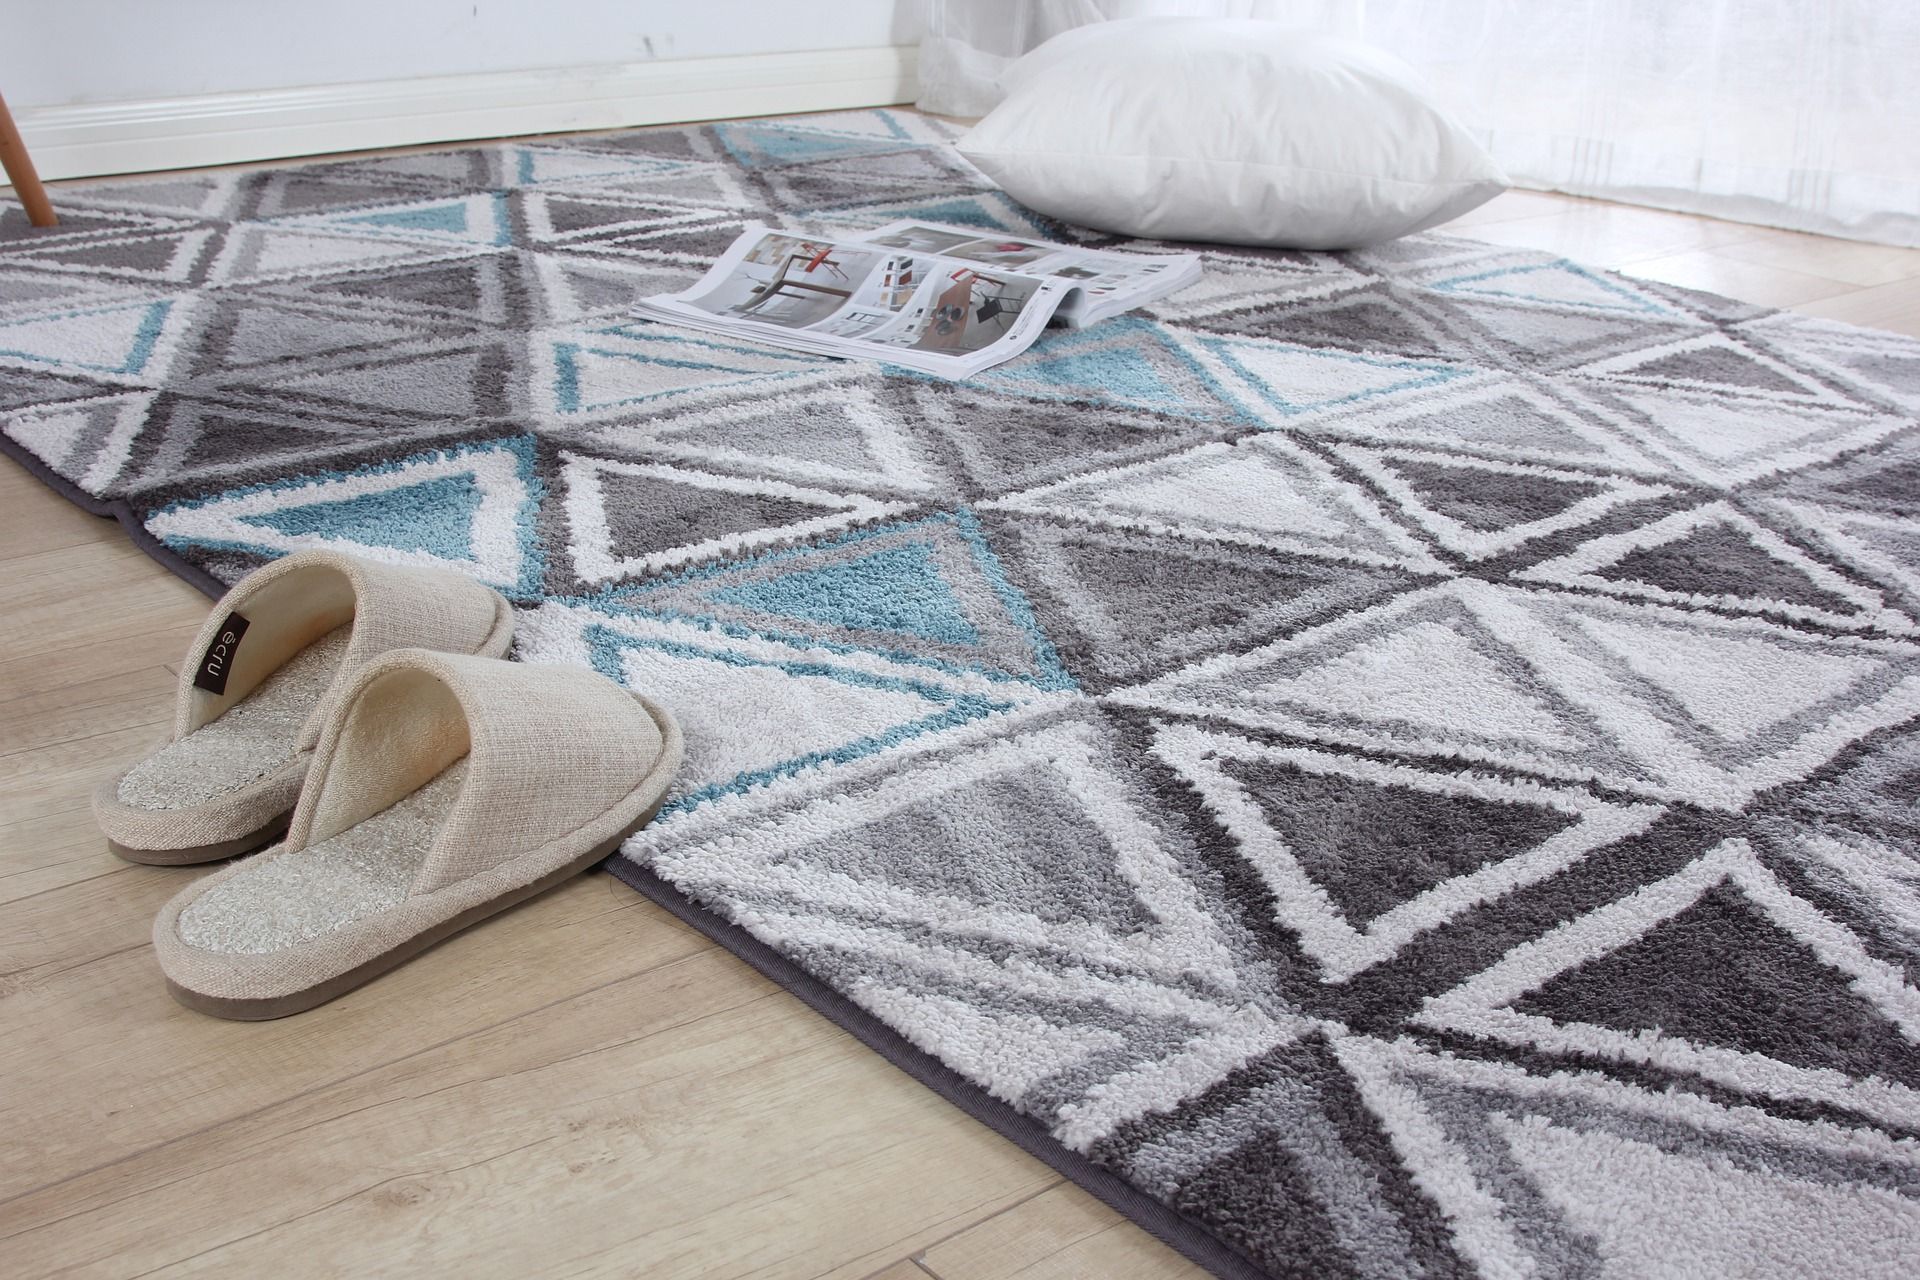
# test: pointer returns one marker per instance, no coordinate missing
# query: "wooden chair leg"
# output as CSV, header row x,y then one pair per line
x,y
20,172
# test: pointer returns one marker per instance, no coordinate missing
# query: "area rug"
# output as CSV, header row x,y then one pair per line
x,y
1387,763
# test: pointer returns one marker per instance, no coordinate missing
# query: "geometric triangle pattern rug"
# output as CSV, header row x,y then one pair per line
x,y
1387,763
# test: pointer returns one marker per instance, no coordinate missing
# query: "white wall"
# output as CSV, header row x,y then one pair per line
x,y
122,86
58,52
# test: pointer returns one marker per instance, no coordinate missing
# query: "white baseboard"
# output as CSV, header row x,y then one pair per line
x,y
88,140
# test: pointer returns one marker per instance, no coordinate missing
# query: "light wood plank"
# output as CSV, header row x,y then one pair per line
x,y
1711,271
925,1236
91,660
45,935
1853,261
1608,235
1061,1234
41,527
905,1269
41,574
1895,307
110,613
59,778
87,1016
82,708
81,690
91,578
42,854
688,1121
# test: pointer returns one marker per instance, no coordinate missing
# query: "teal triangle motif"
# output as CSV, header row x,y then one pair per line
x,y
446,218
1117,373
898,590
435,516
963,212
773,144
887,589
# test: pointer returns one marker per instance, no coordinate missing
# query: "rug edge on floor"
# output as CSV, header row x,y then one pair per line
x,y
1168,1226
118,512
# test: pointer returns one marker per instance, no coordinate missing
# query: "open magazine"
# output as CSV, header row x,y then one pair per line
x,y
943,300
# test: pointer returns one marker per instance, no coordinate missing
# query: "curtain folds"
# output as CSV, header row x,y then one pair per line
x,y
1791,113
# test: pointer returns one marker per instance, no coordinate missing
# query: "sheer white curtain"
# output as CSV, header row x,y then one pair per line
x,y
1793,113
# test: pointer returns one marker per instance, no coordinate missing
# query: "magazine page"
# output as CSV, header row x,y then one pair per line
x,y
957,321
791,281
1110,283
1107,282
882,295
946,300
857,298
828,289
968,315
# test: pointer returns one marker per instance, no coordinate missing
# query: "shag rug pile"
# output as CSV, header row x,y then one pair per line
x,y
1384,764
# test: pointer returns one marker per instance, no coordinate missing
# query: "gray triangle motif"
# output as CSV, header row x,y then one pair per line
x,y
1721,974
1372,847
1110,591
1720,560
1488,501
647,513
1030,843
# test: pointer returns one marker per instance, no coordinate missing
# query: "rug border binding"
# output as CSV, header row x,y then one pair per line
x,y
1163,1223
1167,1225
169,559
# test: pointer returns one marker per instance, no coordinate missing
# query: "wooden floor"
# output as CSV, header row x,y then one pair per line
x,y
580,1086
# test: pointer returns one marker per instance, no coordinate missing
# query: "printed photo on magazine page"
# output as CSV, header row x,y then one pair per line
x,y
789,281
944,300
880,297
964,310
1104,282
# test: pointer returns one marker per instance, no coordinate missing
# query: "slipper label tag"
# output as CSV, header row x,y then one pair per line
x,y
217,661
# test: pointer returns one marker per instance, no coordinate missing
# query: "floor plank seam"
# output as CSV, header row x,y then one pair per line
x,y
266,1107
960,1231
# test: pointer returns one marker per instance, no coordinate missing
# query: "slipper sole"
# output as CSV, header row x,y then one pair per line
x,y
217,852
265,1010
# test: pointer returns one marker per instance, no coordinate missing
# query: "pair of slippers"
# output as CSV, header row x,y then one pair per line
x,y
357,713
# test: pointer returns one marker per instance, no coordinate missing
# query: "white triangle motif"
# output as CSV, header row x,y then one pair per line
x,y
1559,282
1266,491
1300,378
116,340
1642,1207
1427,674
1006,1051
1734,686
753,716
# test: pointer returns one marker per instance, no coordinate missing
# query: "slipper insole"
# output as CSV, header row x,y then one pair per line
x,y
283,899
255,736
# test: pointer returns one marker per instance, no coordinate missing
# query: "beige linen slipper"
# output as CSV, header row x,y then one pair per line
x,y
443,789
255,688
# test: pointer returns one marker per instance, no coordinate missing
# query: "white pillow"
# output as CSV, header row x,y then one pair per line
x,y
1234,131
